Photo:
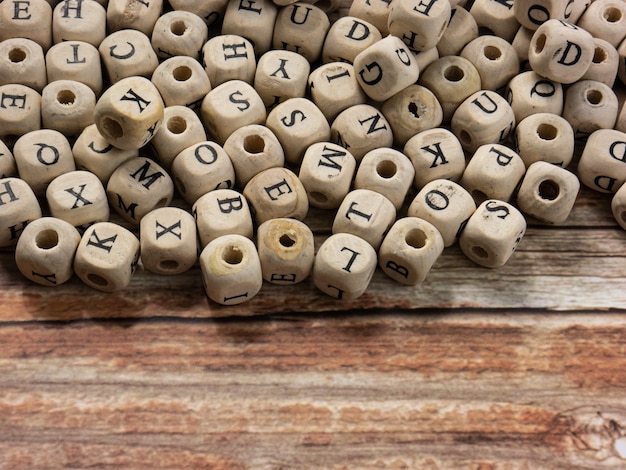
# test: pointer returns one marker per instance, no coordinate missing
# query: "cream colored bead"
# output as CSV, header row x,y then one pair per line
x,y
133,14
45,252
420,24
588,106
494,58
106,257
375,12
7,162
275,193
253,19
18,207
334,88
446,205
548,192
301,28
575,9
483,118
31,19
496,16
344,266
168,241
281,75
326,173
222,212
79,20
385,68
231,270
78,197
547,137
181,80
201,168
409,250
461,29
604,65
435,154
361,128
179,33
67,106
618,206
297,123
20,110
252,149
492,233
533,13
286,251
228,107
127,53
211,11
452,79
75,60
605,19
387,172
346,38
129,113
229,57
530,93
22,61
602,164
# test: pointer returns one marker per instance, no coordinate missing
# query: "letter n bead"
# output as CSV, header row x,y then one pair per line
x,y
602,164
18,206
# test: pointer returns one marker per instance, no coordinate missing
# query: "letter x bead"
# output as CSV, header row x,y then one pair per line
x,y
22,61
18,207
602,164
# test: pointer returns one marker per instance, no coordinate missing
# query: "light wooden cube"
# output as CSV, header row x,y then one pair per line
x,y
548,192
212,11
75,60
410,249
286,251
181,80
492,233
45,252
334,88
18,207
7,162
30,19
127,53
365,213
533,13
222,212
326,173
179,33
605,19
618,206
419,24
168,241
78,20
602,164
301,28
496,17
461,29
494,58
67,106
231,270
375,12
133,14
107,257
252,19
22,61
604,65
201,168
589,106
281,75
346,38
137,187
229,57
547,137
344,266
530,93
20,110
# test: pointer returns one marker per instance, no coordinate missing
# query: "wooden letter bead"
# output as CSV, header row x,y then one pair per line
x,y
231,270
361,128
201,168
286,251
435,154
375,12
211,11
106,257
605,19
409,250
222,212
79,198
254,20
7,162
461,29
326,173
31,19
344,266
228,107
346,38
297,123
275,193
22,61
281,75
492,233
181,128
452,79
45,251
618,206
561,51
181,80
533,13
602,164
168,241
494,58
67,106
387,172
138,186
365,213
301,28
411,111
20,110
589,106
495,17
229,57
18,207
334,87
78,20
133,14
127,53
604,65
41,156
530,93
419,24
386,67
75,60
252,149
129,113
483,118
446,205
547,137
93,153
493,172
179,33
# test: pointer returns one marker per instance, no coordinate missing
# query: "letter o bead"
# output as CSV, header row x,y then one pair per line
x,y
18,207
231,270
45,251
602,164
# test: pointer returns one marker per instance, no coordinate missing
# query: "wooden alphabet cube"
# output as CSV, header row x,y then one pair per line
x,y
375,12
530,93
361,128
229,57
604,65
31,19
494,58
75,60
18,207
533,13
498,18
67,106
133,14
420,24
281,75
254,20
301,28
181,80
461,29
346,38
545,136
602,164
77,20
605,19
22,61
20,110
589,106
334,87
179,33
127,53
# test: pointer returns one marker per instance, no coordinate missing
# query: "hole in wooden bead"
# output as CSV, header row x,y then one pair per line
x,y
416,238
287,240
414,109
97,280
492,52
453,73
182,73
111,128
168,265
600,55
547,131
465,137
540,43
386,169
612,14
479,252
177,125
66,97
178,28
253,144
232,255
594,97
17,55
317,197
548,190
47,239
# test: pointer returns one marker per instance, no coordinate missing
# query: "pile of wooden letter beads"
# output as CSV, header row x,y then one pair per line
x,y
419,123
